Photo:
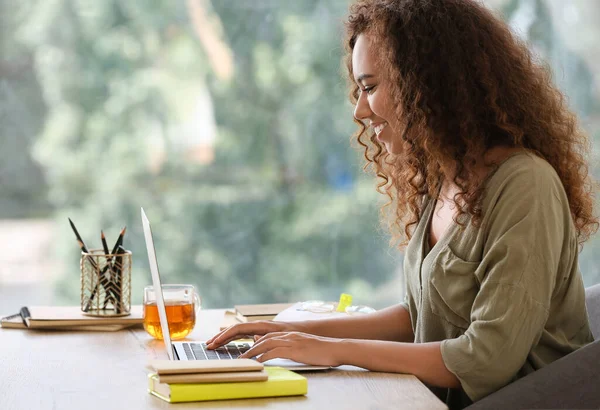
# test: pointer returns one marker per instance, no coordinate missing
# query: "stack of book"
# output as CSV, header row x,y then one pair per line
x,y
69,318
251,313
187,381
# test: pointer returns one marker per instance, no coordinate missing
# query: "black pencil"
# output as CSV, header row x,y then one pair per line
x,y
82,245
116,294
78,236
106,260
114,250
94,265
119,240
116,286
119,277
104,244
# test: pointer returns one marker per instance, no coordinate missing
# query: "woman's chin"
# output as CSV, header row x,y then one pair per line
x,y
391,149
386,145
383,141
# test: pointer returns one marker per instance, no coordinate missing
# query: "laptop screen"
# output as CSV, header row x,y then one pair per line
x,y
160,302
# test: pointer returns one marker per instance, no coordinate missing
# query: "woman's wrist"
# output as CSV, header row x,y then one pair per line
x,y
339,351
296,327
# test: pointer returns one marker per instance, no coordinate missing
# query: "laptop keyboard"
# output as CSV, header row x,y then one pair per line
x,y
198,351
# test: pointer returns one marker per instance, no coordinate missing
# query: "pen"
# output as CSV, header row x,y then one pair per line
x,y
25,315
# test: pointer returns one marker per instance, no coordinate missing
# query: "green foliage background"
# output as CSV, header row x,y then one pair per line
x,y
283,212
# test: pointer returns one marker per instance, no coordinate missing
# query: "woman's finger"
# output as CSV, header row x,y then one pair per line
x,y
218,334
262,347
234,332
269,336
282,352
223,342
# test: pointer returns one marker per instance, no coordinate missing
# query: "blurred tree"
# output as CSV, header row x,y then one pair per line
x,y
533,20
270,205
228,121
22,113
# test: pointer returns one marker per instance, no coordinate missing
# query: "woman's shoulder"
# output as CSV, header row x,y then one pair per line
x,y
524,169
526,178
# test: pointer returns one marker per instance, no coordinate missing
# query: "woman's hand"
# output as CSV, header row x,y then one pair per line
x,y
247,330
297,346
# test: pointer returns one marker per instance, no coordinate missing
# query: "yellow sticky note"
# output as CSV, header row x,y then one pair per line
x,y
345,301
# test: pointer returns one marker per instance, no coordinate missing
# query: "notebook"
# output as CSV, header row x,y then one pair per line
x,y
260,376
250,313
69,318
229,319
281,382
209,371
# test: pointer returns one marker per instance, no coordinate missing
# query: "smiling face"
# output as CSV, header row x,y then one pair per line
x,y
374,107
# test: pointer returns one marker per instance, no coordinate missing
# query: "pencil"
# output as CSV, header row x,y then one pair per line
x,y
78,236
119,277
104,244
116,271
119,240
107,261
114,250
116,294
94,265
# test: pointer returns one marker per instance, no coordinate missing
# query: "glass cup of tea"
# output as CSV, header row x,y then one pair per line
x,y
182,302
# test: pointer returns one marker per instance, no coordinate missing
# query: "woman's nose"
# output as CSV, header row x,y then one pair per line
x,y
362,109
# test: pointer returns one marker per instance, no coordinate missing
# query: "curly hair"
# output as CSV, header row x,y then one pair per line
x,y
462,84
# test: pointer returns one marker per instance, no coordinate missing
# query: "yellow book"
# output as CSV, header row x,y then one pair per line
x,y
281,382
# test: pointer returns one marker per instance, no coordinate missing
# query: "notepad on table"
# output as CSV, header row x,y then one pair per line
x,y
281,382
250,313
69,318
208,371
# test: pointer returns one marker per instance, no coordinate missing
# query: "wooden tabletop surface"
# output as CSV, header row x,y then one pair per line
x,y
107,370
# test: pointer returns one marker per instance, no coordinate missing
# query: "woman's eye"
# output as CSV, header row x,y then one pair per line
x,y
369,90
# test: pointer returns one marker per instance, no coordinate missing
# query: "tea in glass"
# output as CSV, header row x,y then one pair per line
x,y
181,303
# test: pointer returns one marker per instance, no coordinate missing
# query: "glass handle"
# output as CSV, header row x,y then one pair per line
x,y
197,302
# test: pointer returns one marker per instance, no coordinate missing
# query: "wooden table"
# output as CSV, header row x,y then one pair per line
x,y
94,370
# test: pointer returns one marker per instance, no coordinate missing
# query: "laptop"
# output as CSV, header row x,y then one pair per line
x,y
197,350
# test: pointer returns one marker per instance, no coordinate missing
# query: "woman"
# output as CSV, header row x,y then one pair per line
x,y
483,164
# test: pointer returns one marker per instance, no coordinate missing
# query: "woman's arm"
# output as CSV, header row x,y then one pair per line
x,y
423,360
392,323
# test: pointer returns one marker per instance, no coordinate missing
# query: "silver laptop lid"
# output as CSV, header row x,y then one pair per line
x,y
160,301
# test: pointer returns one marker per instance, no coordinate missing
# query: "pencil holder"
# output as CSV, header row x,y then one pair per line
x,y
105,283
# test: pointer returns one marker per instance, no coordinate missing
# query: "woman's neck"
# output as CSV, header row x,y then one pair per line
x,y
488,162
